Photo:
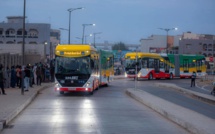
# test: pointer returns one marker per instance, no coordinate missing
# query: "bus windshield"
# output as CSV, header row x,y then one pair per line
x,y
71,65
130,63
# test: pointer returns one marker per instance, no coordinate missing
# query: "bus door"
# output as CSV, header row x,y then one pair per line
x,y
199,66
186,65
157,65
166,67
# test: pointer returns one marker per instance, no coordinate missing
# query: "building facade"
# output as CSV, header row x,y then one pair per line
x,y
159,44
197,44
40,39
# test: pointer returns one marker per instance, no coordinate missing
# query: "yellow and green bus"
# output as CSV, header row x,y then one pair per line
x,y
78,68
168,66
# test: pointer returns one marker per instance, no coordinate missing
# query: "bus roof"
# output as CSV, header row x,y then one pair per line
x,y
74,50
132,55
74,47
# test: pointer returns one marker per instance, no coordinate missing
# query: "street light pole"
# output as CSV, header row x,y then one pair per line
x,y
167,30
70,10
86,38
94,38
136,70
23,47
84,30
23,35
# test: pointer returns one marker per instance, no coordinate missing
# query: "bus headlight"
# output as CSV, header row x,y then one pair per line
x,y
88,84
139,74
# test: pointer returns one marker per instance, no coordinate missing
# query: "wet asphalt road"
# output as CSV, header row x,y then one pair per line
x,y
108,111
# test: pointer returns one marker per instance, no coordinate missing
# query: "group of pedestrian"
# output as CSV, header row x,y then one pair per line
x,y
26,76
2,80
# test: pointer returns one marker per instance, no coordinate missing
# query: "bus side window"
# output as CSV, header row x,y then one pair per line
x,y
161,64
151,63
144,63
91,64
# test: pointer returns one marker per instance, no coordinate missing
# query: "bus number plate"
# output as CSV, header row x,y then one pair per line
x,y
71,89
74,77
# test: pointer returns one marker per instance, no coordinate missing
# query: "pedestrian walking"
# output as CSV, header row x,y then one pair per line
x,y
13,77
2,79
7,77
27,77
18,76
35,74
193,78
31,76
39,75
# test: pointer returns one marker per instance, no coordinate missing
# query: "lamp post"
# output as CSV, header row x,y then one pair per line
x,y
136,70
64,29
84,25
70,10
23,47
45,44
86,38
94,38
167,30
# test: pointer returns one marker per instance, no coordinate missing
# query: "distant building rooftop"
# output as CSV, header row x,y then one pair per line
x,y
15,19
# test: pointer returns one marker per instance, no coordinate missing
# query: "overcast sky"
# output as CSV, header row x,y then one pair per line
x,y
119,20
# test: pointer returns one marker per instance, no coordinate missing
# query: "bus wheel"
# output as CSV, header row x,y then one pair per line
x,y
150,76
91,93
62,92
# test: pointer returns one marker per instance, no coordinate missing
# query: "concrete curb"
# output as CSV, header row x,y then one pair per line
x,y
203,97
15,113
188,119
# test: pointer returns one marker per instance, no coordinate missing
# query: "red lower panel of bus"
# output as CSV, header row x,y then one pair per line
x,y
157,75
74,89
103,83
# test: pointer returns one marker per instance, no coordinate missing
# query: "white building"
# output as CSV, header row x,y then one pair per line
x,y
158,43
39,37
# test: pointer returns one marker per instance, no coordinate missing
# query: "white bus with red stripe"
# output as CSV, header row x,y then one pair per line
x,y
167,66
78,69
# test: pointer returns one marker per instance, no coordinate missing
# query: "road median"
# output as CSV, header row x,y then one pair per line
x,y
188,119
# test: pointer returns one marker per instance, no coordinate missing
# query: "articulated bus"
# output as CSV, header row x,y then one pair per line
x,y
153,65
78,69
106,67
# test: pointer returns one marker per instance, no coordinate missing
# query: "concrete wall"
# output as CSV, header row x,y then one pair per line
x,y
34,53
158,41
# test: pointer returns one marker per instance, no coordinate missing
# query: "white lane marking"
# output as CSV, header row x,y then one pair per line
x,y
203,87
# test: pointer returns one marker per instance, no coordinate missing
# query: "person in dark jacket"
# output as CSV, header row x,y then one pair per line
x,y
13,77
193,78
2,79
27,77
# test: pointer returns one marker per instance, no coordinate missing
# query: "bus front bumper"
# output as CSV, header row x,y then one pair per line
x,y
73,89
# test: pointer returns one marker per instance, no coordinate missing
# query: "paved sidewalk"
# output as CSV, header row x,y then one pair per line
x,y
14,102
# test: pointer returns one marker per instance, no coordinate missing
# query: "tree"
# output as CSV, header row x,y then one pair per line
x,y
119,46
